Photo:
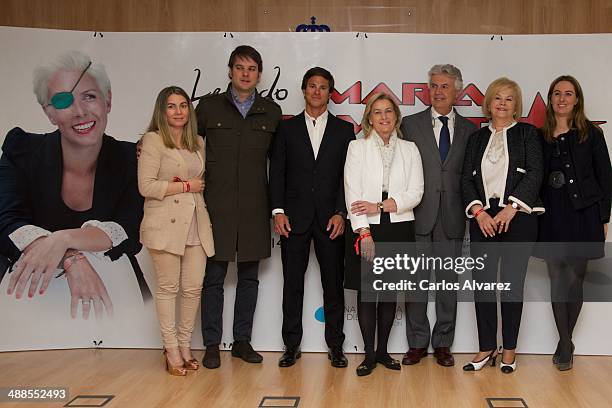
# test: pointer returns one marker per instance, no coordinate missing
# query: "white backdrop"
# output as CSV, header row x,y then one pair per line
x,y
140,64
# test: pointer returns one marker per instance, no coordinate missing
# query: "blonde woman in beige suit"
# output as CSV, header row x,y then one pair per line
x,y
176,227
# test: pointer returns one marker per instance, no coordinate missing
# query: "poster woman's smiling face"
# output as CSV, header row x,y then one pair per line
x,y
83,123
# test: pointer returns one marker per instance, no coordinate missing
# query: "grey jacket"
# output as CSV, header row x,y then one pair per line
x,y
442,195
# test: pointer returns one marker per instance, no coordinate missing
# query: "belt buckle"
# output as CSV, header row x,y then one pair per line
x,y
556,179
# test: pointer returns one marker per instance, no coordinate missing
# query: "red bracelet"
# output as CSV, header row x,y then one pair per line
x,y
358,240
477,213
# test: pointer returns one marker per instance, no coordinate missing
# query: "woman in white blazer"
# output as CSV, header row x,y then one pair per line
x,y
176,227
383,182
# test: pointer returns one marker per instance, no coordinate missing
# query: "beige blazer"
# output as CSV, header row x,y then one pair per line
x,y
166,220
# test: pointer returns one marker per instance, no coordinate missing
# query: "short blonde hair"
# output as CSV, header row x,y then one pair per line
x,y
365,121
69,61
494,87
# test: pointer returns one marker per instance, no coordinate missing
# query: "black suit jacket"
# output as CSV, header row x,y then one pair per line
x,y
525,166
303,187
30,193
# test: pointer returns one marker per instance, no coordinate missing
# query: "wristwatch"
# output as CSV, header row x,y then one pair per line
x,y
379,205
515,205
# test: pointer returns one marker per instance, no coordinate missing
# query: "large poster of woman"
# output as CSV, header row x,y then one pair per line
x,y
70,210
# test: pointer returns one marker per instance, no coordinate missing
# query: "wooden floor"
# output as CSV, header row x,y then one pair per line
x,y
137,378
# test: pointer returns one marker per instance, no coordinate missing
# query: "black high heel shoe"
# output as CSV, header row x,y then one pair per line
x,y
479,365
566,360
555,357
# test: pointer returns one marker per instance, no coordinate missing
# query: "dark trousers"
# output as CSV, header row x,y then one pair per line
x,y
513,260
435,244
376,319
295,252
244,305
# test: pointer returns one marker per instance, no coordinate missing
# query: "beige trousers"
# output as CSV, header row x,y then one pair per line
x,y
181,275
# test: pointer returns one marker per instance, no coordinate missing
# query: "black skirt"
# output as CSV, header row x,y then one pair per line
x,y
563,224
386,231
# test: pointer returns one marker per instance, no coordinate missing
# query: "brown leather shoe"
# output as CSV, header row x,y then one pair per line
x,y
444,357
414,355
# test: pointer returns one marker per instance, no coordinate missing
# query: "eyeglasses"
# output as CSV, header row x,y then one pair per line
x,y
63,100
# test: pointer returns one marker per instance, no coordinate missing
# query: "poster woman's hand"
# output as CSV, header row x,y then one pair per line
x,y
86,287
37,264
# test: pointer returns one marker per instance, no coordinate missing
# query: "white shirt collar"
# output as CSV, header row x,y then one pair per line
x,y
450,116
492,129
322,117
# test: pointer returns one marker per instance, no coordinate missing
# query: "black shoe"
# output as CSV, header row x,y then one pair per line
x,y
566,358
243,350
555,357
337,357
366,367
389,362
289,356
212,358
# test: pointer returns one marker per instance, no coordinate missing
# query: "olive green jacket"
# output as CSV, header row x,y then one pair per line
x,y
236,189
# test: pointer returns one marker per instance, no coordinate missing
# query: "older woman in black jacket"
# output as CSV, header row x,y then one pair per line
x,y
501,181
576,192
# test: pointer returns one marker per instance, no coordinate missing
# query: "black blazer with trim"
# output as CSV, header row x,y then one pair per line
x,y
303,187
525,166
587,165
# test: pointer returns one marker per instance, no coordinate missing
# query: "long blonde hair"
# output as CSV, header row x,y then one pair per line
x,y
159,121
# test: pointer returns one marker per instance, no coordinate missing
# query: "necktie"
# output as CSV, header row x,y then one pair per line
x,y
444,144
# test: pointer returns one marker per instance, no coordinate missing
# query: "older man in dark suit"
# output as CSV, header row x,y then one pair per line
x,y
441,135
306,188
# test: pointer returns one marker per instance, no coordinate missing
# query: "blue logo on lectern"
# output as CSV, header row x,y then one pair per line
x,y
320,315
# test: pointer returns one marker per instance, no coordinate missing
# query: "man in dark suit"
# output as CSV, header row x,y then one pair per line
x,y
441,135
239,127
306,185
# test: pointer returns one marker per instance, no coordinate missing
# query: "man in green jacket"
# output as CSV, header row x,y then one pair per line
x,y
238,126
